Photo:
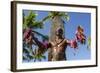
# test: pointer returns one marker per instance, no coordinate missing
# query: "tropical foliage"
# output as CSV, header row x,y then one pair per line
x,y
53,14
89,43
29,26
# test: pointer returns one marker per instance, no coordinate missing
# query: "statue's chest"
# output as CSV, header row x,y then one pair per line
x,y
59,47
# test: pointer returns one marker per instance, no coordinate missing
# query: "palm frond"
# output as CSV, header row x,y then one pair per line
x,y
66,17
39,34
36,24
47,18
30,20
89,43
38,56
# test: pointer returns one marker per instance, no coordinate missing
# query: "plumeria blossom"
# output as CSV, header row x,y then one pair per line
x,y
73,43
80,36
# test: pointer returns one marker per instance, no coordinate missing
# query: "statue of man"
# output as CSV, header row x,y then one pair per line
x,y
57,47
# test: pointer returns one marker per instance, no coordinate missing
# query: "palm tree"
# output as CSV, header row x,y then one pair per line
x,y
30,21
58,19
29,24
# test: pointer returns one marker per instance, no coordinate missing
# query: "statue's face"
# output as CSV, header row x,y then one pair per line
x,y
59,32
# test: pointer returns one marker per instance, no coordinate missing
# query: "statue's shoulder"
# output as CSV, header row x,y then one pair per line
x,y
67,41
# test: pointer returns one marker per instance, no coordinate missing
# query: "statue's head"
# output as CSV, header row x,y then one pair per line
x,y
59,32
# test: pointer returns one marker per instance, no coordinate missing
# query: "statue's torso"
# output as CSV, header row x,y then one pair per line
x,y
58,51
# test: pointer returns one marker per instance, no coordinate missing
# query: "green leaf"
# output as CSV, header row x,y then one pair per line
x,y
47,18
37,24
66,17
39,34
89,42
44,57
30,20
25,51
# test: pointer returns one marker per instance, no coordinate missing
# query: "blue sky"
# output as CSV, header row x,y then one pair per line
x,y
76,18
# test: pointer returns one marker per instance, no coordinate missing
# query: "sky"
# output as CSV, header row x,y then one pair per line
x,y
76,19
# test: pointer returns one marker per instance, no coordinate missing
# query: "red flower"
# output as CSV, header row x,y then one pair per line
x,y
73,43
80,35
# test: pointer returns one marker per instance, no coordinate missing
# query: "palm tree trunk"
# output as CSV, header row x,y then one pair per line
x,y
56,23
